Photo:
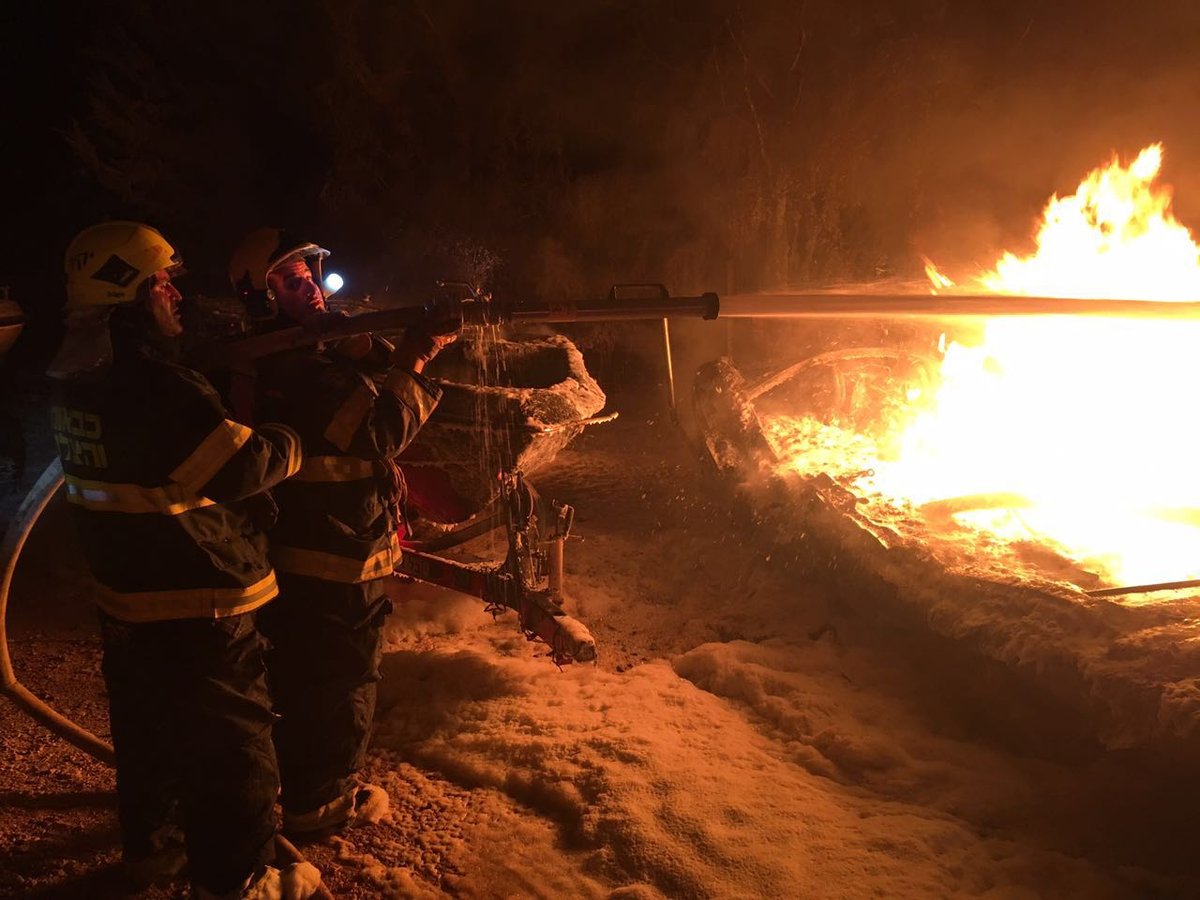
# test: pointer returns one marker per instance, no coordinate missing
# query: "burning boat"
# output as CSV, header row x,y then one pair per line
x,y
1024,487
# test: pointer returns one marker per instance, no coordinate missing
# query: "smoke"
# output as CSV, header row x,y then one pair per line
x,y
712,145
974,124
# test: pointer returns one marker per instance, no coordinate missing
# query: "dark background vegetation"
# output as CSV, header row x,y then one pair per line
x,y
555,147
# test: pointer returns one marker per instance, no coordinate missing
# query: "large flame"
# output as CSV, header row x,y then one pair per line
x,y
1081,432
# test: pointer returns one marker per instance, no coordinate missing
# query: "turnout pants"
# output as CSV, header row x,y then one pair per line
x,y
191,727
323,668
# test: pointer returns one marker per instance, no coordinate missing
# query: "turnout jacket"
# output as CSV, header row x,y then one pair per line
x,y
338,515
161,480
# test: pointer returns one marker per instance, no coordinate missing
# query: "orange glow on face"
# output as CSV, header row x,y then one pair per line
x,y
1078,433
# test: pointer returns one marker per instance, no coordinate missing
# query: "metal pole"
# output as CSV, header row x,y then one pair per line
x,y
1144,588
670,370
730,281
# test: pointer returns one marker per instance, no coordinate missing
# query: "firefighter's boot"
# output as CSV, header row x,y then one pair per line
x,y
299,881
361,805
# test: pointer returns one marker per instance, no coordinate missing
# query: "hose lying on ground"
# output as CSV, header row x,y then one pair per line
x,y
14,539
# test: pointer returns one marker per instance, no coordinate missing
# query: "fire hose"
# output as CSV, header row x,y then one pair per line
x,y
641,302
30,510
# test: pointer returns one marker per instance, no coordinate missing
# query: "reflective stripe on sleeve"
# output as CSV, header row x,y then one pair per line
x,y
187,603
350,416
331,567
214,451
335,468
103,496
410,392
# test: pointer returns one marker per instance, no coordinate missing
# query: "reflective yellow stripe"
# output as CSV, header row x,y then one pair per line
x,y
188,603
335,468
214,451
410,393
351,414
169,500
331,567
295,457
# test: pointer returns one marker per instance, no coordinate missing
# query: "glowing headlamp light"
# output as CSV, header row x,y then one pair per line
x,y
333,283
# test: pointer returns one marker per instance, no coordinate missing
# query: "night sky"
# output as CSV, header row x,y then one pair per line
x,y
555,148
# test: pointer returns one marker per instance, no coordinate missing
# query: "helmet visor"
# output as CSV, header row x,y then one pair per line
x,y
303,251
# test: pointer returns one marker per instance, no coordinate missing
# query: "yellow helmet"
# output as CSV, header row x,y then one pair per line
x,y
106,263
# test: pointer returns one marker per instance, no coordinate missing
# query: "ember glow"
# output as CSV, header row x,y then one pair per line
x,y
1077,433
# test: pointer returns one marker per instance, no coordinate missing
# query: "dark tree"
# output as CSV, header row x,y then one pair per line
x,y
708,144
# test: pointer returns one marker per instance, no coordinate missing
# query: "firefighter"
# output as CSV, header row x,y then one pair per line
x,y
165,492
356,405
